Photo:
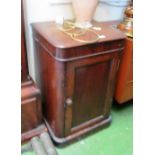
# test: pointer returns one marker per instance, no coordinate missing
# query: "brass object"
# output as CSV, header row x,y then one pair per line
x,y
127,24
129,12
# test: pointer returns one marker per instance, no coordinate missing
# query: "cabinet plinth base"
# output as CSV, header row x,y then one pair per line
x,y
82,132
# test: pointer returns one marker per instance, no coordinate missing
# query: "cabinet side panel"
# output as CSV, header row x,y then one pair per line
x,y
50,78
124,85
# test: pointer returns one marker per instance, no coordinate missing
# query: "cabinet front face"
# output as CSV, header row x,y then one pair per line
x,y
88,91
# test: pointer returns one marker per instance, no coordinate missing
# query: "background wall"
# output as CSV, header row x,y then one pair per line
x,y
47,10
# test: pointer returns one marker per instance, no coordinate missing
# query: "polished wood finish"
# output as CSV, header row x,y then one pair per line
x,y
124,85
87,85
31,115
76,79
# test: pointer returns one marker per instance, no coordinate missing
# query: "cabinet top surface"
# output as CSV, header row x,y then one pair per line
x,y
50,32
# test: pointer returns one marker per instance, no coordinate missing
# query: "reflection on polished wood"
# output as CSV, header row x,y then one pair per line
x,y
76,79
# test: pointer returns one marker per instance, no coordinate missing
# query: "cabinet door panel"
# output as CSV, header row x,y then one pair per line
x,y
89,90
87,85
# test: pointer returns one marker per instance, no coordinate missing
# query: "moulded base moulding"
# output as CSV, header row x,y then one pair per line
x,y
106,122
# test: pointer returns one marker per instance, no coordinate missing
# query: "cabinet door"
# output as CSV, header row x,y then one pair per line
x,y
89,89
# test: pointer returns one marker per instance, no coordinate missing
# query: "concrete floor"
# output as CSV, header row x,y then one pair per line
x,y
114,140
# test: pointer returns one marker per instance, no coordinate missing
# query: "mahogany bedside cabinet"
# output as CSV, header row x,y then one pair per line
x,y
76,79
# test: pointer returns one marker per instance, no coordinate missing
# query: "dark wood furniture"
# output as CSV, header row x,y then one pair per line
x,y
76,79
31,114
31,107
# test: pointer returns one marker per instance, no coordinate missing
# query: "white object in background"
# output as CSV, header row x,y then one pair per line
x,y
59,1
60,20
108,10
119,3
38,11
47,10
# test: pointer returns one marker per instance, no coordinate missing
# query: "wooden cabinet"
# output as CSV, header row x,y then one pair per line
x,y
124,84
31,113
76,79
